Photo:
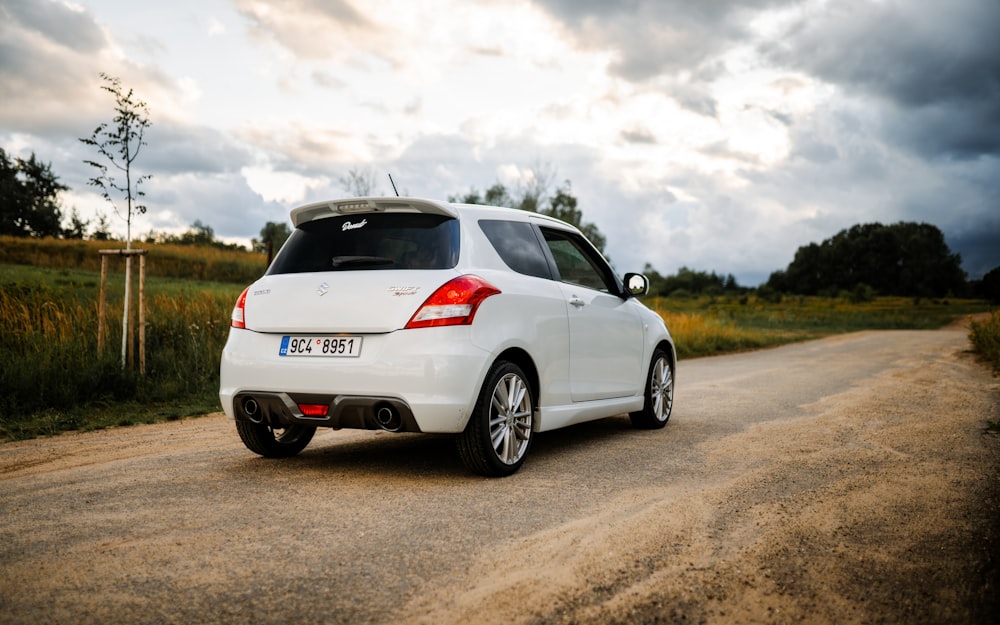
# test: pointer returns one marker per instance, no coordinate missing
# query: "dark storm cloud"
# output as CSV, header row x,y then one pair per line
x,y
657,37
931,69
978,248
933,66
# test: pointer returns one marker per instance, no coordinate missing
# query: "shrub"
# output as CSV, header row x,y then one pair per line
x,y
985,337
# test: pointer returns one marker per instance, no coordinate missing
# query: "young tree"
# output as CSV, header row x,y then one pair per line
x,y
120,145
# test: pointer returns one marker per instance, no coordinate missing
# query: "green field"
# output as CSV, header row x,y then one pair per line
x,y
54,378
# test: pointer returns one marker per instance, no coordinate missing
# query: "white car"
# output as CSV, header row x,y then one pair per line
x,y
413,315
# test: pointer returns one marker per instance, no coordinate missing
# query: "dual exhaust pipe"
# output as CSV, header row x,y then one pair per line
x,y
383,414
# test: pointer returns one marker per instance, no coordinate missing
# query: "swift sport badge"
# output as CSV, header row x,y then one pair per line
x,y
403,290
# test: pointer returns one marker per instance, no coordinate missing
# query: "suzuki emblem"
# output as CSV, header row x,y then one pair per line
x,y
322,288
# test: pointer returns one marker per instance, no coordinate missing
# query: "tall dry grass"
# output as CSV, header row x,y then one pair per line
x,y
51,362
700,335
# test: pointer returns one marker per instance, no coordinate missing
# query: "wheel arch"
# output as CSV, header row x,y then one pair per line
x,y
523,359
668,347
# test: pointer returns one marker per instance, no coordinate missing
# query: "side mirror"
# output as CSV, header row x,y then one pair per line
x,y
636,284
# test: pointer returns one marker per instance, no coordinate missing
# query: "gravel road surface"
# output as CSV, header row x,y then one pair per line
x,y
845,480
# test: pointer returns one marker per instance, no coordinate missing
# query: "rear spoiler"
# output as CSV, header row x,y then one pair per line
x,y
358,205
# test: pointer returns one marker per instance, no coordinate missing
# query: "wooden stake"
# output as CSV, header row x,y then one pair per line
x,y
128,345
100,305
142,315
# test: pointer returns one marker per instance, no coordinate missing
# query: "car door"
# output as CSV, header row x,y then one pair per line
x,y
606,334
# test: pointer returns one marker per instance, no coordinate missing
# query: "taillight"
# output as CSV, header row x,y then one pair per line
x,y
454,303
238,318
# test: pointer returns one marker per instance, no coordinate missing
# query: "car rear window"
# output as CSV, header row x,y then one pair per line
x,y
370,241
518,246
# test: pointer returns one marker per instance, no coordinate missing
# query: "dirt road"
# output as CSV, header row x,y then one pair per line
x,y
847,480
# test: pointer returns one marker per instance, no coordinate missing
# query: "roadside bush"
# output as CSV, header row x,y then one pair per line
x,y
985,337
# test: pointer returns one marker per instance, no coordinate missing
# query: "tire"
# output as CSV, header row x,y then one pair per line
x,y
659,394
496,439
272,442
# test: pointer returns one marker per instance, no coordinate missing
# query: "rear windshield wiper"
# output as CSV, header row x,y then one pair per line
x,y
360,261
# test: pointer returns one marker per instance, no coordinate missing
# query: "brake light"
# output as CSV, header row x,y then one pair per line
x,y
453,304
238,318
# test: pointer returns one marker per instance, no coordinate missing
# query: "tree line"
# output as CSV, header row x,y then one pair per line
x,y
903,259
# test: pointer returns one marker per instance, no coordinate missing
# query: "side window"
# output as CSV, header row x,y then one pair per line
x,y
576,262
518,246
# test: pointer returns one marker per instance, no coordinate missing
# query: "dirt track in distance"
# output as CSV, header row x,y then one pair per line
x,y
846,480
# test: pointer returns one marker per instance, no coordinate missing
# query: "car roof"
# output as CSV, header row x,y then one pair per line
x,y
363,205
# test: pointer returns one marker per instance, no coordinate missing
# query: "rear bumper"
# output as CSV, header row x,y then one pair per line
x,y
429,376
338,411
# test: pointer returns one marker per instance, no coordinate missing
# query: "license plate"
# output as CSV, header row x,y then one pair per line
x,y
329,346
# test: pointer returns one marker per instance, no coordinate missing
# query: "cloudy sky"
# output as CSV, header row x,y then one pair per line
x,y
720,135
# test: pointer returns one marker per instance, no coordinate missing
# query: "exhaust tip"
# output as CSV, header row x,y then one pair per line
x,y
388,418
252,410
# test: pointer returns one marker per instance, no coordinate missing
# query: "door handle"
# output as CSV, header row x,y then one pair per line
x,y
576,301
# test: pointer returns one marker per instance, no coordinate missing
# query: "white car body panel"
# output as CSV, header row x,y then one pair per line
x,y
358,301
604,330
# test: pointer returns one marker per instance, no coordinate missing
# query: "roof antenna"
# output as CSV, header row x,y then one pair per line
x,y
393,185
